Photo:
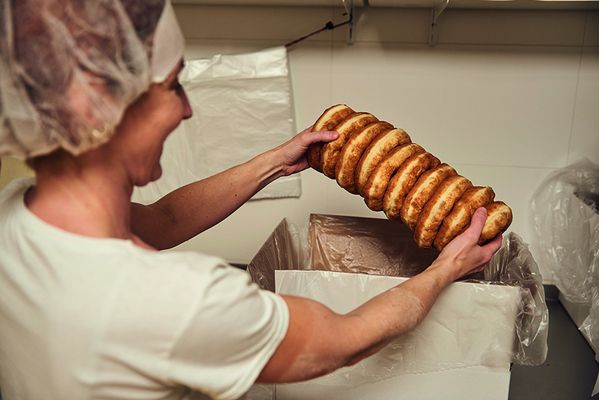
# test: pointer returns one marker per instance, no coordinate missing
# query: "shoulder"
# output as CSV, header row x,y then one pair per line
x,y
198,283
220,329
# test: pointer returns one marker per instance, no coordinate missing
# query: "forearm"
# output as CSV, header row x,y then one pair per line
x,y
398,310
320,341
194,208
191,209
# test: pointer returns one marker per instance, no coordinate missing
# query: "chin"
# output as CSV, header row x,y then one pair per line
x,y
154,176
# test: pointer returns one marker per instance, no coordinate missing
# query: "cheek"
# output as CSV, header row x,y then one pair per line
x,y
178,109
187,111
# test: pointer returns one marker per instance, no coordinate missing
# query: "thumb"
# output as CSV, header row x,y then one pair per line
x,y
477,223
322,136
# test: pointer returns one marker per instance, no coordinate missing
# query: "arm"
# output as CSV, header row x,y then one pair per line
x,y
187,211
319,341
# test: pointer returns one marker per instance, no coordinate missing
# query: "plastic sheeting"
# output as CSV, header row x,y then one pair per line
x,y
566,229
242,106
565,211
381,247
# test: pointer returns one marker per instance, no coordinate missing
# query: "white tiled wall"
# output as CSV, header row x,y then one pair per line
x,y
505,97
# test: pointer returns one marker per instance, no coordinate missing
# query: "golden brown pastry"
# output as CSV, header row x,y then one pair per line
x,y
375,153
499,217
330,151
352,152
437,208
381,163
404,180
329,119
421,192
459,218
375,188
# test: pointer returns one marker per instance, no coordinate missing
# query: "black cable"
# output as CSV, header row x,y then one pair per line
x,y
328,26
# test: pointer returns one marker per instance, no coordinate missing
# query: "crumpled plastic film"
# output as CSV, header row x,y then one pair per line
x,y
590,326
511,286
280,251
242,106
260,392
565,217
69,69
365,245
514,265
566,229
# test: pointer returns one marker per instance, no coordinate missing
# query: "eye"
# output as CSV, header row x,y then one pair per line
x,y
176,85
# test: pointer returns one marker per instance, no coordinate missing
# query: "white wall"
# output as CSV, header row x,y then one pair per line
x,y
506,97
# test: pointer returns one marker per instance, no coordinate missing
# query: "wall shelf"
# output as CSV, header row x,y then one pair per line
x,y
472,4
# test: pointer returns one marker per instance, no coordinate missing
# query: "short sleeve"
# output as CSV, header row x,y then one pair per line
x,y
229,334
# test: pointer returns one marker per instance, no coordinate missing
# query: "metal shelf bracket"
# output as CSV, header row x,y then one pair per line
x,y
436,11
350,10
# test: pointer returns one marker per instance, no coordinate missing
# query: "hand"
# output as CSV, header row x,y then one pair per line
x,y
292,154
463,254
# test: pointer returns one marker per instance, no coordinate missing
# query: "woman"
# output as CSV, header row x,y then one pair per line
x,y
88,307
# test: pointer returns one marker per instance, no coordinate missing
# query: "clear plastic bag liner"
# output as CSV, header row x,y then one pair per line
x,y
565,217
365,245
242,106
277,253
590,326
514,265
382,247
566,229
590,329
260,392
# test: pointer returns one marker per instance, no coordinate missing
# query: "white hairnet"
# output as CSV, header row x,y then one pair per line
x,y
70,68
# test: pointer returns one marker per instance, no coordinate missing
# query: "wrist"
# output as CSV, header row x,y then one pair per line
x,y
445,270
268,167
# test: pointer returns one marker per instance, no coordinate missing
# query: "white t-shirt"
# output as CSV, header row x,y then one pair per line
x,y
87,318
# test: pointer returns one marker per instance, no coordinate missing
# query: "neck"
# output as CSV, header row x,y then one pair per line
x,y
85,195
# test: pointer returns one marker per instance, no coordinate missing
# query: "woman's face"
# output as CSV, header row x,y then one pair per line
x,y
145,126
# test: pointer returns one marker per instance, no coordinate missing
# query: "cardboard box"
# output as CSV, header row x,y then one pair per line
x,y
462,350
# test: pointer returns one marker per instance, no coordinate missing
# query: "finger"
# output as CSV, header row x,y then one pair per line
x,y
478,221
302,165
481,267
493,245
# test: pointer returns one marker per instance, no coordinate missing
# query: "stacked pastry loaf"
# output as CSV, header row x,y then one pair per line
x,y
378,161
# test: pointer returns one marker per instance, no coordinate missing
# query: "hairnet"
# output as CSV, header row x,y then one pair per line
x,y
70,68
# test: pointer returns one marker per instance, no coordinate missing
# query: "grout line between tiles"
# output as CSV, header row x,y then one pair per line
x,y
505,166
336,42
573,117
331,60
462,44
